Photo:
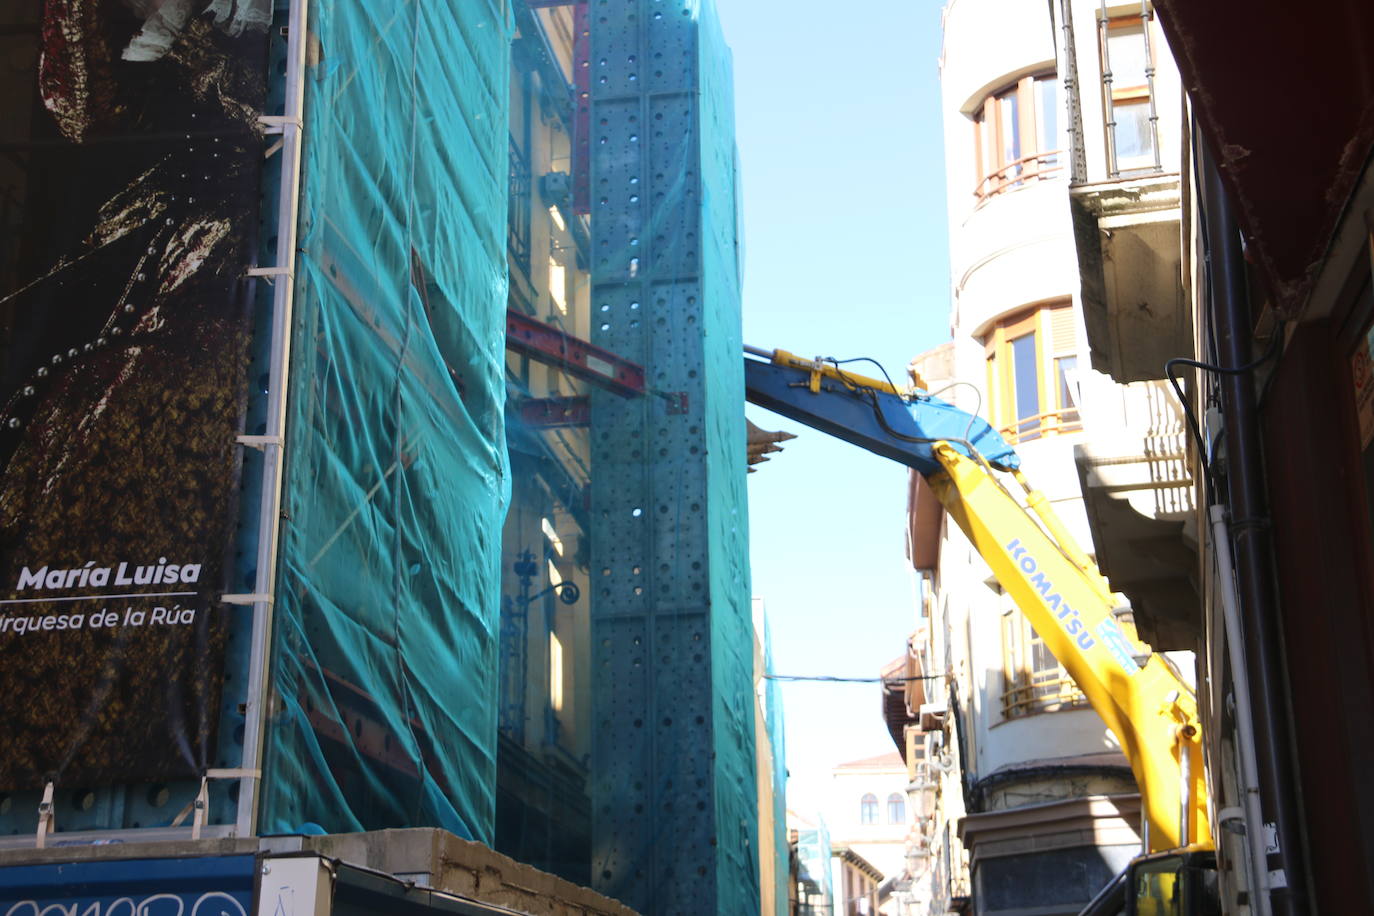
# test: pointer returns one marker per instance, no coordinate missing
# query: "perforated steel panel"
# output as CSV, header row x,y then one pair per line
x,y
672,830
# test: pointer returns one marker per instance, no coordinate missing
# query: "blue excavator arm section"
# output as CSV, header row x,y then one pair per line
x,y
878,421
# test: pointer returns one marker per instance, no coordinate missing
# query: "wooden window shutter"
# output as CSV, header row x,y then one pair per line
x,y
1063,332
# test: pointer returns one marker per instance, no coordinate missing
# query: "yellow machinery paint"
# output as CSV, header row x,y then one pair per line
x,y
1150,710
1138,693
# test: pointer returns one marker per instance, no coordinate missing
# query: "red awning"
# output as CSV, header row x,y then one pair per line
x,y
1285,93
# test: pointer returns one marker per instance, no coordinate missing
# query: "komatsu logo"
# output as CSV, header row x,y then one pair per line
x,y
1063,611
1113,638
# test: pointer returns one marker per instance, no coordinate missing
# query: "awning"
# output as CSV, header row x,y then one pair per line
x,y
1285,93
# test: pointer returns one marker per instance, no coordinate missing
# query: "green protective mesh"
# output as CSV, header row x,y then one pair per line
x,y
731,616
384,661
773,717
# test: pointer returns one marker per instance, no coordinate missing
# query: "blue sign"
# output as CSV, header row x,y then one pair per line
x,y
217,886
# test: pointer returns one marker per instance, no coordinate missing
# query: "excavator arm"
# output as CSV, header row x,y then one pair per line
x,y
1152,713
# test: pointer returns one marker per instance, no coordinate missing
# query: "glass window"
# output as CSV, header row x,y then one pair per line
x,y
1026,380
1008,105
1126,76
1126,48
868,809
1066,370
1016,132
1032,372
1047,114
1134,142
896,809
1034,681
1159,888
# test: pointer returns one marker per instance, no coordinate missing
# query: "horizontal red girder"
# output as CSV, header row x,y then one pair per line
x,y
577,357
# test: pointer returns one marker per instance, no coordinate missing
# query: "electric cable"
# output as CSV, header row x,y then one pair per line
x,y
978,403
826,678
1270,353
861,359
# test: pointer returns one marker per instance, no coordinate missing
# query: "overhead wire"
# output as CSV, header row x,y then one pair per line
x,y
833,679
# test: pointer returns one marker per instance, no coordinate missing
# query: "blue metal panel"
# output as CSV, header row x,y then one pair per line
x,y
212,886
882,423
664,756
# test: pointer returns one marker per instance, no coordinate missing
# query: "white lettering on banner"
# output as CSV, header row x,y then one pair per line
x,y
99,576
214,903
104,618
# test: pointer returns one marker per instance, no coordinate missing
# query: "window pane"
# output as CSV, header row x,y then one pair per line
x,y
1066,369
1009,106
1026,378
1043,663
868,809
896,809
1126,50
1047,92
1134,145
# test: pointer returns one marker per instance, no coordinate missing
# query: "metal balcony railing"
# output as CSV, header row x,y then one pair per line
x,y
1050,423
1044,694
1019,173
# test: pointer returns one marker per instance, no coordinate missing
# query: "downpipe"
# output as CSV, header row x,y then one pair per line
x,y
1285,872
1257,879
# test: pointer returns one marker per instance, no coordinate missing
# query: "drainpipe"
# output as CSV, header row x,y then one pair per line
x,y
1244,489
1257,870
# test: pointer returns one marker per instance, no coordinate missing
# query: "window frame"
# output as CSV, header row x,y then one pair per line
x,y
1114,96
995,172
1054,416
868,810
896,802
1032,685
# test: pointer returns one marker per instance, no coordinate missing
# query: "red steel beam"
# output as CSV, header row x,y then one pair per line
x,y
552,413
575,356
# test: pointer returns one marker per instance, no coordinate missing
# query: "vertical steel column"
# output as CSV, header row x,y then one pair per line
x,y
1108,106
658,844
1078,170
1150,83
269,510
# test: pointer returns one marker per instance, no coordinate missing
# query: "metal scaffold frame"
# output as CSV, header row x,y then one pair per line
x,y
282,275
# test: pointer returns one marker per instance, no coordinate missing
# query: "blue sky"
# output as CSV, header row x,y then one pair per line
x,y
846,254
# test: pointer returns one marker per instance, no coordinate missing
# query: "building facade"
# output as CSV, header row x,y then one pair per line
x,y
868,811
1274,311
1027,804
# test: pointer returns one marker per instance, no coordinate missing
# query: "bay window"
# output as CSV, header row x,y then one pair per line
x,y
1016,135
1032,371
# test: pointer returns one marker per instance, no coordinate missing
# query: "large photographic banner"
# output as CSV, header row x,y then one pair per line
x,y
129,199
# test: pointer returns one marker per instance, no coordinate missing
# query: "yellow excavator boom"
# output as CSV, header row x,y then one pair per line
x,y
1148,708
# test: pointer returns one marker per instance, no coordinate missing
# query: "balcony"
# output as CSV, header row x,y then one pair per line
x,y
1024,171
1139,496
1127,233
